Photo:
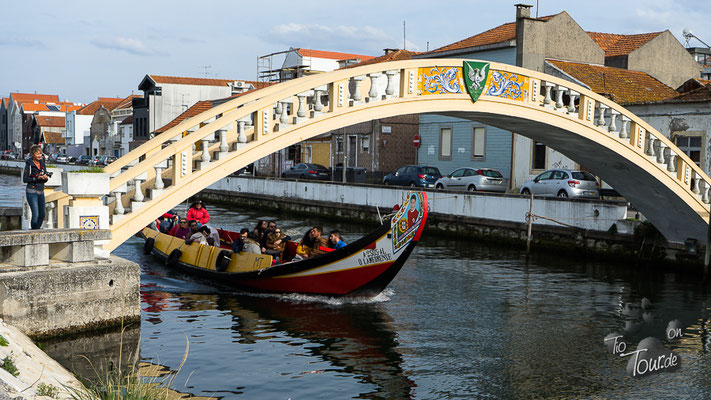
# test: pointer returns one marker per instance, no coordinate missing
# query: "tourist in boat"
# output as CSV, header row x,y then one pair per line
x,y
271,226
251,244
335,241
200,234
260,229
181,230
275,243
199,213
35,175
238,243
319,241
305,247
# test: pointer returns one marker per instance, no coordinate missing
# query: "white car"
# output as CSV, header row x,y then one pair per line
x,y
473,179
563,183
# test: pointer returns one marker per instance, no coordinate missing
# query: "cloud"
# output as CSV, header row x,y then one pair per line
x,y
128,45
21,42
359,38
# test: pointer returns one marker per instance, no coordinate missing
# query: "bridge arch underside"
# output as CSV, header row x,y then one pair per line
x,y
654,192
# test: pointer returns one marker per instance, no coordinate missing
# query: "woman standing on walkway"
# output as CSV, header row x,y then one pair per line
x,y
35,175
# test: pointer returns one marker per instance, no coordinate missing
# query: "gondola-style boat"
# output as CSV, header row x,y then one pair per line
x,y
361,269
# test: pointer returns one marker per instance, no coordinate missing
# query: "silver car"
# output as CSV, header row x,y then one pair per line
x,y
473,179
563,183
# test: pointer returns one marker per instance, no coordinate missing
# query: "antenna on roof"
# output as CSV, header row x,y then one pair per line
x,y
688,35
536,9
206,68
403,35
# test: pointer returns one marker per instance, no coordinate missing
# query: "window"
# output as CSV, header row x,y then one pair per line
x,y
478,142
459,173
445,144
539,156
339,144
365,144
690,144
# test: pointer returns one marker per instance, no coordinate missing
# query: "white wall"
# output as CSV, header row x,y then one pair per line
x,y
177,98
580,213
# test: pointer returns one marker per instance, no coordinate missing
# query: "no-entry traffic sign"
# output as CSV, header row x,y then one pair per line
x,y
416,141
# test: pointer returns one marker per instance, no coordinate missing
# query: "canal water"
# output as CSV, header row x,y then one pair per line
x,y
461,320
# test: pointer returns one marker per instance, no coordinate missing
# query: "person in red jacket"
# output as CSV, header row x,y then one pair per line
x,y
197,212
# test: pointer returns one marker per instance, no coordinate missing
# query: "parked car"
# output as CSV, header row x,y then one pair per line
x,y
52,158
9,155
84,160
473,179
563,183
62,159
307,171
413,176
102,160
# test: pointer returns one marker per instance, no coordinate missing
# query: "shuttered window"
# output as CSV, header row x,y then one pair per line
x,y
478,142
445,144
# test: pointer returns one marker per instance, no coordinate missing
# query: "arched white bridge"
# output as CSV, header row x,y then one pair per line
x,y
643,165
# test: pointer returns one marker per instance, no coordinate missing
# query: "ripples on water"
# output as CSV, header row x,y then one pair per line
x,y
461,320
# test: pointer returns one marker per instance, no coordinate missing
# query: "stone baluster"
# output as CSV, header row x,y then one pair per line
x,y
118,209
278,108
696,180
572,95
158,184
659,150
373,92
284,117
623,129
705,192
649,143
205,158
241,135
224,148
559,90
670,158
318,105
547,100
138,193
390,89
355,95
49,210
601,115
301,112
613,120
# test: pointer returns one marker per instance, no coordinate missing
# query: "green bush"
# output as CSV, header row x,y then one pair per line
x,y
9,366
3,341
47,390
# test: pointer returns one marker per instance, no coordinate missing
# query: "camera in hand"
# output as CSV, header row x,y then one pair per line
x,y
49,174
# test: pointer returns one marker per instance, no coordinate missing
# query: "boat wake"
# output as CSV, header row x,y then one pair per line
x,y
382,297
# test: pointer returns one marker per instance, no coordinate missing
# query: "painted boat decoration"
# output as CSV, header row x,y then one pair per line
x,y
361,269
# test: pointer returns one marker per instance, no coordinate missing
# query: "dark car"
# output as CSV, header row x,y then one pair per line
x,y
413,176
84,160
307,171
102,160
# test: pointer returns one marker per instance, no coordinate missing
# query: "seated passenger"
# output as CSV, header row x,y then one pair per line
x,y
334,240
238,244
251,244
305,247
199,213
200,234
275,243
214,235
181,230
319,241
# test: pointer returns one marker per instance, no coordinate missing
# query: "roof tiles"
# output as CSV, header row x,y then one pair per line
x,y
397,55
196,109
47,121
621,85
620,45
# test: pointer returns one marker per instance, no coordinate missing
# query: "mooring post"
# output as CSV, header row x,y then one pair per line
x,y
530,225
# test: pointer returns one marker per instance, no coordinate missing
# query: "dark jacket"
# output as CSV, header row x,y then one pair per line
x,y
30,174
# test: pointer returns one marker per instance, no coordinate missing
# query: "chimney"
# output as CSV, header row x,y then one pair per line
x,y
523,10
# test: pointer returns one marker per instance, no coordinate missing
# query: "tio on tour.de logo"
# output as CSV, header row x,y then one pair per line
x,y
650,356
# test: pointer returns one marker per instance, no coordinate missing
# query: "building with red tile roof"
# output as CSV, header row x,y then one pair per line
x,y
619,45
620,85
390,55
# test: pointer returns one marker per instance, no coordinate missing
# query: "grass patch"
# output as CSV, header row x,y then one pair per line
x,y
90,170
3,341
47,390
9,366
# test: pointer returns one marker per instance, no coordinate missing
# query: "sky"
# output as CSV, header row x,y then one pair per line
x,y
82,50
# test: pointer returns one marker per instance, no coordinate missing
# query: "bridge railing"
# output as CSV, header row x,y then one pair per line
x,y
186,153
